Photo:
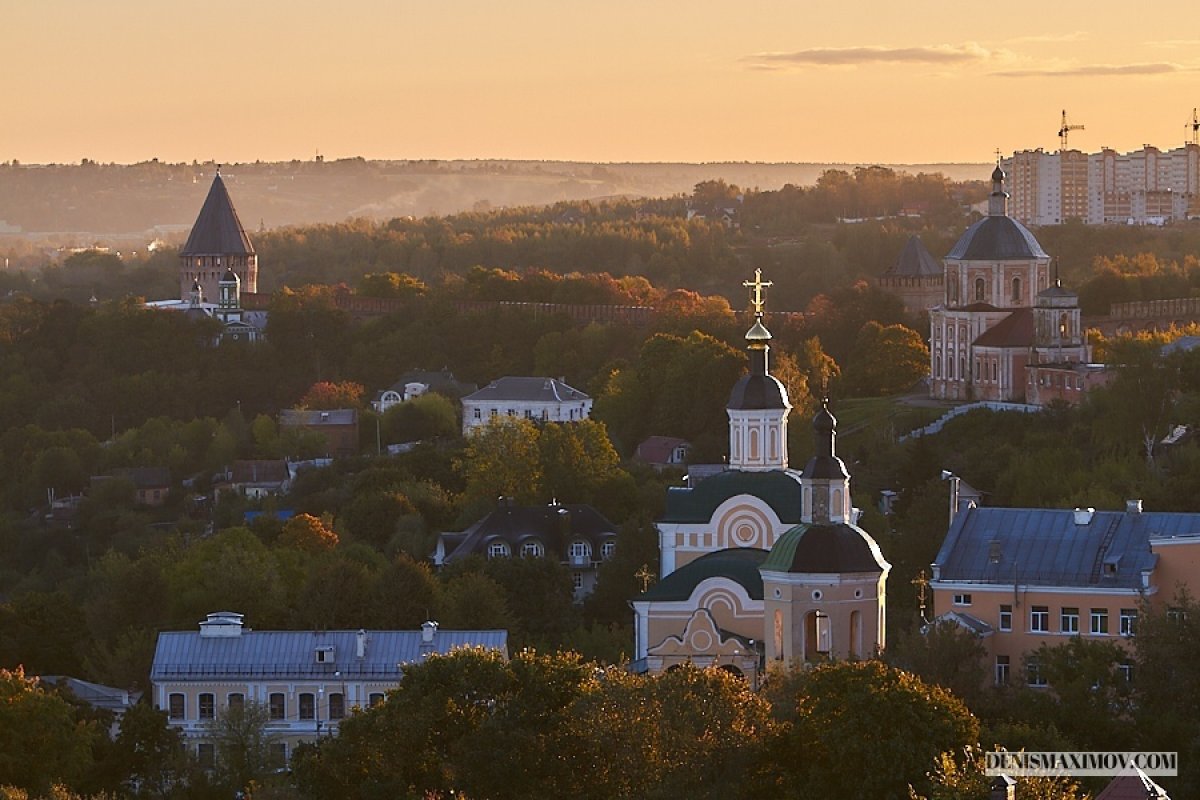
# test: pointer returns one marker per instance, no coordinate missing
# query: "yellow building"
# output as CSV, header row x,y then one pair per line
x,y
760,562
1024,577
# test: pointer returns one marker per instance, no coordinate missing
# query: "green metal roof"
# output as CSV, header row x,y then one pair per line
x,y
779,489
832,548
739,564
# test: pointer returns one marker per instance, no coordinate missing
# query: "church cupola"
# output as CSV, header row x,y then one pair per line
x,y
229,302
758,405
825,483
998,201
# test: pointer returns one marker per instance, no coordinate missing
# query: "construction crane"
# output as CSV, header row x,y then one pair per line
x,y
1065,129
1195,126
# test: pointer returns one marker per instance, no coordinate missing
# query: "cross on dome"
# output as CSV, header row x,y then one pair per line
x,y
756,297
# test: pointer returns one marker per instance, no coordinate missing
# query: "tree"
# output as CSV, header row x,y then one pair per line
x,y
149,751
577,458
502,460
900,726
307,533
41,743
243,745
945,654
430,416
886,360
329,395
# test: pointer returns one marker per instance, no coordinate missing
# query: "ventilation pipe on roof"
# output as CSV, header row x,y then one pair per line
x,y
1083,516
428,631
1133,506
360,648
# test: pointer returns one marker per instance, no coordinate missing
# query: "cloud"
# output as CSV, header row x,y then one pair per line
x,y
1096,70
854,56
1074,36
1173,43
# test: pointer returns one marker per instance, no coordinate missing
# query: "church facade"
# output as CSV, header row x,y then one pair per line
x,y
1001,313
761,563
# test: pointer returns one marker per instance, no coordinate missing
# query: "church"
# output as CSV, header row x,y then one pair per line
x,y
218,262
1002,316
760,563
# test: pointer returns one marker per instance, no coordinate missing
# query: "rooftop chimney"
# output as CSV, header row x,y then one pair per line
x,y
428,631
1083,516
1133,506
360,646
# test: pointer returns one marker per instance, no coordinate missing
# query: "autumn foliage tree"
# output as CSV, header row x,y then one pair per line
x,y
325,395
308,533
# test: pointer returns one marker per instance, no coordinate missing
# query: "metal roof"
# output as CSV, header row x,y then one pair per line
x,y
738,564
997,238
538,390
316,417
915,261
779,489
218,231
552,525
1015,330
187,655
826,549
1055,547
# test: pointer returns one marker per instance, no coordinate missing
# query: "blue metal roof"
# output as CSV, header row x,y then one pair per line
x,y
1036,546
186,655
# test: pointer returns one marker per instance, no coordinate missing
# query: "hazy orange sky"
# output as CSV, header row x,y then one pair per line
x,y
654,80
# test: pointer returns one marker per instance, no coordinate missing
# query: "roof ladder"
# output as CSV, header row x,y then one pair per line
x,y
1105,543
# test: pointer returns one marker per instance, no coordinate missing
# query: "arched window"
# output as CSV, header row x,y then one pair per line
x,y
1016,289
498,550
532,548
607,549
1063,325
980,290
580,552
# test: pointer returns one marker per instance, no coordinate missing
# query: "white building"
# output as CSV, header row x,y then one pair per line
x,y
538,399
307,680
1145,187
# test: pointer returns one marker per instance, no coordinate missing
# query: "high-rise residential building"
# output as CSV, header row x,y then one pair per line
x,y
1145,187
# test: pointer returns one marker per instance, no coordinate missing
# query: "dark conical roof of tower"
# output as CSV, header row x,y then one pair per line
x,y
825,464
915,260
218,231
997,174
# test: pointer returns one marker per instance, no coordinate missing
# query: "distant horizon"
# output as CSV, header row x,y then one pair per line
x,y
482,159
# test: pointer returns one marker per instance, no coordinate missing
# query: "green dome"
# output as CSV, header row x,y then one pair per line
x,y
827,549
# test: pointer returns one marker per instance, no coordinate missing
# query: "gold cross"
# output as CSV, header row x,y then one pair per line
x,y
997,156
645,576
756,297
921,582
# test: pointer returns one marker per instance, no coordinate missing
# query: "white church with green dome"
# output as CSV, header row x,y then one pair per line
x,y
759,562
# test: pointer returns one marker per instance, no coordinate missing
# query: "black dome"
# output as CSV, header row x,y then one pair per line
x,y
997,238
825,548
755,392
997,174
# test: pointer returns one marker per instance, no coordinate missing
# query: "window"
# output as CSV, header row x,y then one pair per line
x,y
962,599
498,550
1016,290
1039,619
529,413
1128,621
532,549
374,699
1126,671
1100,620
1006,618
607,549
308,706
276,706
206,755
980,290
235,701
494,412
512,412
1069,620
324,655
478,413
577,581
1176,614
1033,671
208,706
337,705
1002,670
175,706
580,551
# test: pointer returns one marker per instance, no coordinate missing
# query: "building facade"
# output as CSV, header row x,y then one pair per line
x,y
1001,312
1024,577
1145,187
308,681
916,278
537,399
759,562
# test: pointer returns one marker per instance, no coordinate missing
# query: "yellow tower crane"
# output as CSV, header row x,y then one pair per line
x,y
1064,129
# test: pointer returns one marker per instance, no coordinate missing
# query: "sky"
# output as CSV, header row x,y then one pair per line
x,y
922,81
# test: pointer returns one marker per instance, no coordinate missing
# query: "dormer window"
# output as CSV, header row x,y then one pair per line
x,y
324,655
532,549
498,550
